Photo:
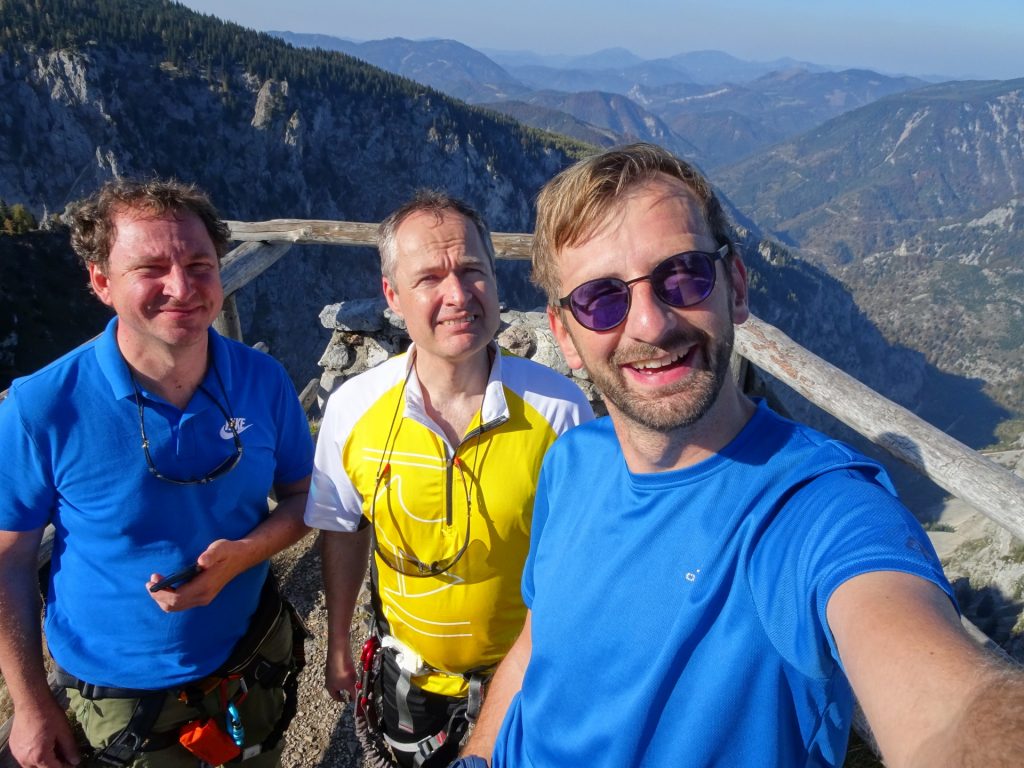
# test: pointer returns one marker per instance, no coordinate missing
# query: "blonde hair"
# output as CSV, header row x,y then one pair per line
x,y
578,199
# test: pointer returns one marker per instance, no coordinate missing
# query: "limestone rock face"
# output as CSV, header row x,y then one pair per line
x,y
263,148
271,98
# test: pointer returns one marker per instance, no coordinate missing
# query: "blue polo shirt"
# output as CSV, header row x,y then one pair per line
x,y
73,457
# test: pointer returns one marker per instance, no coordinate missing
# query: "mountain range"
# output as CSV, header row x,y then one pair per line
x,y
909,192
706,106
916,202
110,87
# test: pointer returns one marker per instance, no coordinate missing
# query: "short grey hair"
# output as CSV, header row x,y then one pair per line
x,y
432,201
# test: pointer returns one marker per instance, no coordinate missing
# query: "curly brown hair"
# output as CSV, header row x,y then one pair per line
x,y
92,219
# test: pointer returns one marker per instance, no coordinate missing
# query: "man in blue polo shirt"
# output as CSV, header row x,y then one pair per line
x,y
152,450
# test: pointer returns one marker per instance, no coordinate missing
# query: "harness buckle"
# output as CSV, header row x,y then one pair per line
x,y
118,754
270,674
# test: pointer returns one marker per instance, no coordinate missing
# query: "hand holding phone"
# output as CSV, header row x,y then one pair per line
x,y
176,579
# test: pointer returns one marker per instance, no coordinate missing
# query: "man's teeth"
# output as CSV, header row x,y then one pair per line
x,y
661,362
459,321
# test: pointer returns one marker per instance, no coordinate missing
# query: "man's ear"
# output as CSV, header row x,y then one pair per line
x,y
391,296
564,338
100,283
740,290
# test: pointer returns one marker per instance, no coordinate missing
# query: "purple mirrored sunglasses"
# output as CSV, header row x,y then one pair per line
x,y
681,280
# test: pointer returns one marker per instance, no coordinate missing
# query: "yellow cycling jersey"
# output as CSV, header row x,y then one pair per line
x,y
451,523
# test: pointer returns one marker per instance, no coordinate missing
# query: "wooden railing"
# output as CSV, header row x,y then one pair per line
x,y
953,466
963,472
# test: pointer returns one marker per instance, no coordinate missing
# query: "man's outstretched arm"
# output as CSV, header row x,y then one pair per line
x,y
932,695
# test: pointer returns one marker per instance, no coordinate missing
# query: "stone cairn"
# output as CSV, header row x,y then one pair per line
x,y
365,333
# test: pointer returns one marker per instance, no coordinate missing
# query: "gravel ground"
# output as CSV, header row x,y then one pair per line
x,y
322,732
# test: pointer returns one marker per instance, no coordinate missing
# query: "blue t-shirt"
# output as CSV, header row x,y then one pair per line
x,y
679,617
73,457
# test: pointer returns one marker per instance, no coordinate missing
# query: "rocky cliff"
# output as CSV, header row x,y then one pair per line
x,y
916,203
289,135
93,90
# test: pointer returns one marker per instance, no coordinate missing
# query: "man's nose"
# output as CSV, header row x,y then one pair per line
x,y
456,288
178,284
649,318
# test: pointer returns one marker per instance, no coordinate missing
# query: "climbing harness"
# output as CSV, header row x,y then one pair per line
x,y
204,735
380,747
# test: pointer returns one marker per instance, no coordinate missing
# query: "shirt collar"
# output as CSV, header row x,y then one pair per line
x,y
115,369
494,405
111,362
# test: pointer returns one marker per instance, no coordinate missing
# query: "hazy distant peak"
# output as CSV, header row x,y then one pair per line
x,y
311,38
608,58
707,55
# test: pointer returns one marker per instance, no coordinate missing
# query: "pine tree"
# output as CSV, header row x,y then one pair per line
x,y
18,220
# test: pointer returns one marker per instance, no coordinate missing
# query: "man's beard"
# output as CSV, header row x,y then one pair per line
x,y
679,406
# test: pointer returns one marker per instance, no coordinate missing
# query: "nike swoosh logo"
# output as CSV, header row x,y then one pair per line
x,y
240,426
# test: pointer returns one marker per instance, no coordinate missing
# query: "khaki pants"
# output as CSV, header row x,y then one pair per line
x,y
102,719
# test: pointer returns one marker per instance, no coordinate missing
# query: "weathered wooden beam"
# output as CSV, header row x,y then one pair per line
x,y
994,491
228,323
307,398
506,245
306,231
511,246
248,261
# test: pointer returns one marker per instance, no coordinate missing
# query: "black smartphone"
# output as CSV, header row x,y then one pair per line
x,y
176,579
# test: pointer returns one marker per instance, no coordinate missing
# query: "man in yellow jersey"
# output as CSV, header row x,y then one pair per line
x,y
432,460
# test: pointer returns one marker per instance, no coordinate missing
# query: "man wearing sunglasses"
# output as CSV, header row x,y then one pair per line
x,y
709,584
431,460
151,450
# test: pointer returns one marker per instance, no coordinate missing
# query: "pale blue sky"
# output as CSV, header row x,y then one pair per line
x,y
958,38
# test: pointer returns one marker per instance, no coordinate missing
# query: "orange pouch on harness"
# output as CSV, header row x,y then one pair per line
x,y
208,741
